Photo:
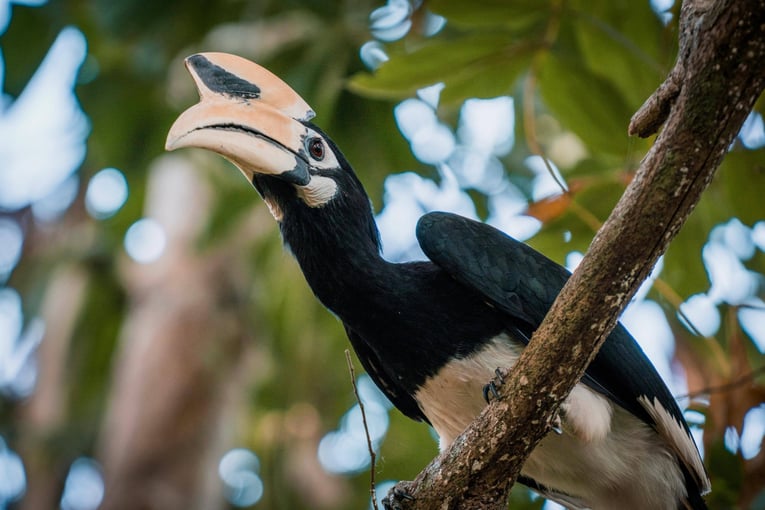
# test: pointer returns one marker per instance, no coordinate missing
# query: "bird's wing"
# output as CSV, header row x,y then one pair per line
x,y
523,283
371,363
569,502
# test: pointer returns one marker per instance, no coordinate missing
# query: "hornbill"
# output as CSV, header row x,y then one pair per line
x,y
432,333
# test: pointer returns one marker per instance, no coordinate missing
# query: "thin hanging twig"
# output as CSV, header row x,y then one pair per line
x,y
744,379
372,455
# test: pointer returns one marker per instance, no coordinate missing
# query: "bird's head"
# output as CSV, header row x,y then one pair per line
x,y
255,120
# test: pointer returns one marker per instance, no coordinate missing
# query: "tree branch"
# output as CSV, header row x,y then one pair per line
x,y
716,80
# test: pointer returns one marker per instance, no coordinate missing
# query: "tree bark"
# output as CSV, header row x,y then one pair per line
x,y
178,375
44,416
717,78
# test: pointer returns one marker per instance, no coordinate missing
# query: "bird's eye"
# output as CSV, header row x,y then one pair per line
x,y
316,148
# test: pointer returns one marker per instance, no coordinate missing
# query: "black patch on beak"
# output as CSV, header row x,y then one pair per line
x,y
219,80
298,175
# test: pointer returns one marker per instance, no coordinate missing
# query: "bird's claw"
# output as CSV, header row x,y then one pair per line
x,y
397,497
490,389
556,424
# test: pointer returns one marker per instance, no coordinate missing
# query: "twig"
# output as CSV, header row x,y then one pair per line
x,y
530,127
744,379
372,455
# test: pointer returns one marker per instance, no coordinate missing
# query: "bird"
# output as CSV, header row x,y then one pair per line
x,y
431,334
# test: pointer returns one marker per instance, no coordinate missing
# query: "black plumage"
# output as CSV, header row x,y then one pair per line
x,y
407,320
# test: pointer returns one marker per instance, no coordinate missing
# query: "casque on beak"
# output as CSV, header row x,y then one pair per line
x,y
246,114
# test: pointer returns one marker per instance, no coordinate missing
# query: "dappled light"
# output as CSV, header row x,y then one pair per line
x,y
752,133
145,241
699,314
238,469
43,131
507,212
372,54
663,9
12,477
486,125
84,486
753,432
5,11
392,21
729,246
346,449
407,197
11,242
467,160
18,342
107,192
731,282
53,205
752,318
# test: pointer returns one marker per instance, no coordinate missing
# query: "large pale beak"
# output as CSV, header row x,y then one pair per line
x,y
246,114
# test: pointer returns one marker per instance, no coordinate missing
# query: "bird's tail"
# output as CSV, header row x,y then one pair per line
x,y
694,500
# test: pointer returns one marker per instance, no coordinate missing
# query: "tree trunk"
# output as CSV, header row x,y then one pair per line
x,y
176,382
44,415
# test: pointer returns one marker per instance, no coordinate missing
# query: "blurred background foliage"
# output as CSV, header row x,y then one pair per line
x,y
162,351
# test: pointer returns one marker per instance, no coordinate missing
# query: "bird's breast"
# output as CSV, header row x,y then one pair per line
x,y
604,455
453,397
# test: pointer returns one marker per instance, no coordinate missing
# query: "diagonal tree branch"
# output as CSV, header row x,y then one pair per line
x,y
718,76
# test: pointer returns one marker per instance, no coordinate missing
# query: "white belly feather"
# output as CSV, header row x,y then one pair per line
x,y
605,457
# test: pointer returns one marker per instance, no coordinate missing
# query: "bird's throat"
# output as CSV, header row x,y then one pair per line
x,y
274,208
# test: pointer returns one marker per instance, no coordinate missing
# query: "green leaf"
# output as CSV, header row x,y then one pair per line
x,y
585,103
615,50
477,65
741,179
518,15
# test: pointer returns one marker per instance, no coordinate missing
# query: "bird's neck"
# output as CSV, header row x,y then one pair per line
x,y
406,313
340,261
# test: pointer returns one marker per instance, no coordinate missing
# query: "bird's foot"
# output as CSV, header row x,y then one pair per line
x,y
490,390
398,497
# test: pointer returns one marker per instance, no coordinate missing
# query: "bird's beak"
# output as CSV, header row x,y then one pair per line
x,y
246,114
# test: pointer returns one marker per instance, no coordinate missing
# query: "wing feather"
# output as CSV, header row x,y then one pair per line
x,y
371,363
523,283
